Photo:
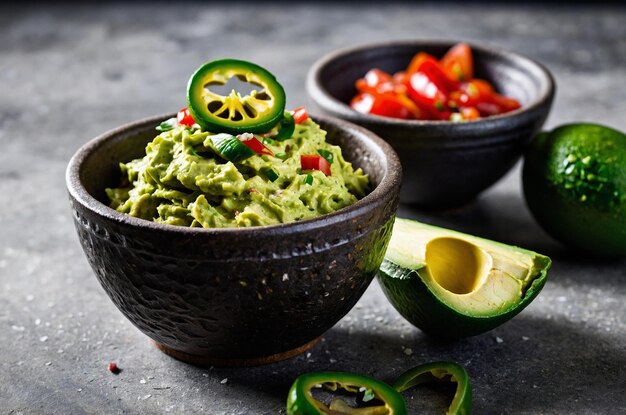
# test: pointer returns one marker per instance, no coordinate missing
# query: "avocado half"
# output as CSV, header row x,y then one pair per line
x,y
451,285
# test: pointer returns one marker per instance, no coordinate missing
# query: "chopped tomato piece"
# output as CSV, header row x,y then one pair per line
x,y
376,81
458,62
470,113
386,105
417,62
300,115
439,76
254,144
426,94
315,162
185,118
507,104
399,78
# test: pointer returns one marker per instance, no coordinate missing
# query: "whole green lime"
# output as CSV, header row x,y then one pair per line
x,y
574,180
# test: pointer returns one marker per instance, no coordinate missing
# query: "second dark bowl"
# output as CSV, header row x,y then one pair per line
x,y
445,164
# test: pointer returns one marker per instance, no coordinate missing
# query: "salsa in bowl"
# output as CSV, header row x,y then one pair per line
x,y
446,163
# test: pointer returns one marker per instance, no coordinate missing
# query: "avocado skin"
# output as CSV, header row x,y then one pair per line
x,y
408,293
596,226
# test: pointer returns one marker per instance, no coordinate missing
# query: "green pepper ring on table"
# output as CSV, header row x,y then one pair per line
x,y
301,401
256,112
441,372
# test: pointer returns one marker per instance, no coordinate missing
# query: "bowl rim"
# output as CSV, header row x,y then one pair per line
x,y
381,194
320,95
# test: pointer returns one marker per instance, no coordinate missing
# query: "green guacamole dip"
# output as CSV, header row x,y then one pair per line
x,y
182,181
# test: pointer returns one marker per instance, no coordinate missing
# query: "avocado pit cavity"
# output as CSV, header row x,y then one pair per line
x,y
457,265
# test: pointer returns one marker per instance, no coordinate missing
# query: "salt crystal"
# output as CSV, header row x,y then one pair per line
x,y
43,338
30,297
223,382
525,338
18,328
142,381
408,351
499,340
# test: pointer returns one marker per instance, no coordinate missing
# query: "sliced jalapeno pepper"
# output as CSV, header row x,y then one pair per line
x,y
230,148
286,127
373,396
441,372
256,112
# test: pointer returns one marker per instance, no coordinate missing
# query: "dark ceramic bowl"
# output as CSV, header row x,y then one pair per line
x,y
233,296
445,164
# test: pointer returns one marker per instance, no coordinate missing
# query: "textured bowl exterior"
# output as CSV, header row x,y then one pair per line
x,y
445,164
233,293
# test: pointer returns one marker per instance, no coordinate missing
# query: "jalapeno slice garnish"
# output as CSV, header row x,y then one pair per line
x,y
441,372
230,148
256,112
285,127
373,397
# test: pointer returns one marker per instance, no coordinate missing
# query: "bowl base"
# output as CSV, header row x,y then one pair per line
x,y
247,362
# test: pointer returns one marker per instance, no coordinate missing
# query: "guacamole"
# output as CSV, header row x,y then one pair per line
x,y
182,180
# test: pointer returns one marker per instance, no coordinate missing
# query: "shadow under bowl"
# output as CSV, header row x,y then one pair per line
x,y
241,296
446,164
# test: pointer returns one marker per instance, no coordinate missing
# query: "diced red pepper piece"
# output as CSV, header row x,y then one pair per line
x,y
458,62
300,115
507,104
399,78
480,94
429,86
470,113
315,162
375,81
185,118
386,105
254,144
439,76
417,62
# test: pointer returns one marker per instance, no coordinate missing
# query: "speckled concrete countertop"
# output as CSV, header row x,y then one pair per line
x,y
69,73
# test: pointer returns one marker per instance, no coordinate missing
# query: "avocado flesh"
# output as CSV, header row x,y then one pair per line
x,y
453,284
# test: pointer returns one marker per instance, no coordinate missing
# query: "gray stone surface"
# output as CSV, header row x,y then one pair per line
x,y
69,73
